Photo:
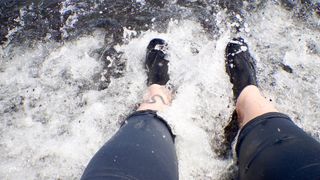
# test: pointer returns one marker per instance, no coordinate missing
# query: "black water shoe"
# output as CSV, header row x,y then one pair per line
x,y
156,63
240,66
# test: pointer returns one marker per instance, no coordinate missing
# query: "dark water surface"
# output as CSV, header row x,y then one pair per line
x,y
40,20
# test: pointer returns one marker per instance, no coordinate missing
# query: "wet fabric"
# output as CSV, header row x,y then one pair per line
x,y
143,149
272,147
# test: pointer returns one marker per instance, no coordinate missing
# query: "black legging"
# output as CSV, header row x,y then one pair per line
x,y
269,147
142,149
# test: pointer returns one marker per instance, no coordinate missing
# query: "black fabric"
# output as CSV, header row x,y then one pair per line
x,y
272,147
143,149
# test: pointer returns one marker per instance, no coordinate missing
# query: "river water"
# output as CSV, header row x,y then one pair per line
x,y
71,71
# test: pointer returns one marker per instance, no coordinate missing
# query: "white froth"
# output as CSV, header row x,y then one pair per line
x,y
50,128
279,39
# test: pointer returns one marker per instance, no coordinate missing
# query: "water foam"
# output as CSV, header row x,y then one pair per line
x,y
53,118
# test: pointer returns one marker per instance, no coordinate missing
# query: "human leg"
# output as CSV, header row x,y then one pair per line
x,y
143,148
156,98
240,67
251,104
270,145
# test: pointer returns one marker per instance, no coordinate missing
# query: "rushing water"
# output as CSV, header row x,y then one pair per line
x,y
72,70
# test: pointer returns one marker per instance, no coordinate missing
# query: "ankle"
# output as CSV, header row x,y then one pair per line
x,y
246,92
157,98
251,104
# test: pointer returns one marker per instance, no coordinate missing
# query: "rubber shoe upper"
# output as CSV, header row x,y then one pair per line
x,y
240,66
156,63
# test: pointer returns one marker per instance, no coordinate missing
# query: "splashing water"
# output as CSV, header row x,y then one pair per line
x,y
61,100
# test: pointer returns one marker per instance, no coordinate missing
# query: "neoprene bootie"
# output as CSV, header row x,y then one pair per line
x,y
156,63
240,66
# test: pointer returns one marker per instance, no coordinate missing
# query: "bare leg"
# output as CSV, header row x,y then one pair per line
x,y
240,67
157,98
143,148
270,146
251,104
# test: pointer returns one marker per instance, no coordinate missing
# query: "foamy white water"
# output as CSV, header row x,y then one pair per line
x,y
53,118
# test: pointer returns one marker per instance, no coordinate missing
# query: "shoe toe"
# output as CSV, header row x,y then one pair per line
x,y
154,42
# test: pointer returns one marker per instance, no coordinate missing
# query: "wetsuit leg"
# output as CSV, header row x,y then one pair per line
x,y
143,149
271,146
